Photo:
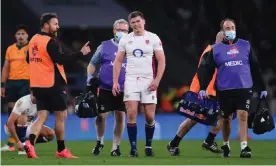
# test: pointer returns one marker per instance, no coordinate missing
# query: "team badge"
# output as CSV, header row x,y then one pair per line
x,y
147,41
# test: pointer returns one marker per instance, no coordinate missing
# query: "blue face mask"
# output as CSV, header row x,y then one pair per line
x,y
230,35
119,35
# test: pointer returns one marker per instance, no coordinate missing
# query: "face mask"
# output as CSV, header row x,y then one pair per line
x,y
230,35
119,35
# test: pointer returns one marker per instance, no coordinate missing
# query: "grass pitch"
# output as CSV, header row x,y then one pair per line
x,y
263,153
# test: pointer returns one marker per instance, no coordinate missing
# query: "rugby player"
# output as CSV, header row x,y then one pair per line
x,y
140,84
20,122
15,75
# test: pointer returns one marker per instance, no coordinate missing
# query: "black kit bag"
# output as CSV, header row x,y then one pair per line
x,y
261,121
86,105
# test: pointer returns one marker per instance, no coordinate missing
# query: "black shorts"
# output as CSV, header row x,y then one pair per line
x,y
16,89
51,99
108,102
233,100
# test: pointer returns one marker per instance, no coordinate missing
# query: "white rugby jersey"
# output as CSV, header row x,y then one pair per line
x,y
24,106
139,52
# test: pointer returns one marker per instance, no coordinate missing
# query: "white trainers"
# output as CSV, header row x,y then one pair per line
x,y
22,152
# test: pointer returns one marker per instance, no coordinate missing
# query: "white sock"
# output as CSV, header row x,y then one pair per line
x,y
226,143
100,139
116,142
114,145
243,144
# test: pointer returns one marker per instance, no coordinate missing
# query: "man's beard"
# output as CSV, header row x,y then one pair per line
x,y
53,34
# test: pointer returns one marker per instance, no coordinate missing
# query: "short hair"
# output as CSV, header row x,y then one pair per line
x,y
21,27
45,17
135,14
223,21
120,21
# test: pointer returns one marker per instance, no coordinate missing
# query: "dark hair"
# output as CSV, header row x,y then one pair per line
x,y
135,14
21,26
223,21
45,17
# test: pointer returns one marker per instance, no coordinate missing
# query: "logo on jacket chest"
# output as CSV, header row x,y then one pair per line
x,y
233,52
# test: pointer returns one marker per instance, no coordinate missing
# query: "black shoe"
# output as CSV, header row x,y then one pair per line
x,y
226,151
211,147
116,152
96,151
149,152
246,153
133,153
174,151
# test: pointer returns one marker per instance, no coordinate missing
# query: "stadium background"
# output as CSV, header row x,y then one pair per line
x,y
185,27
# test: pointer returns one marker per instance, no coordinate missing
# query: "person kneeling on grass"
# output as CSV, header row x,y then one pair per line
x,y
20,122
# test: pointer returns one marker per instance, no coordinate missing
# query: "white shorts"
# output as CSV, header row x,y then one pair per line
x,y
136,89
27,134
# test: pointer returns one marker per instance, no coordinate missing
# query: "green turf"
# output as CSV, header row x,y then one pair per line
x,y
263,153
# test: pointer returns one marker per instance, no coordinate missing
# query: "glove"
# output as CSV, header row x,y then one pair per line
x,y
202,94
89,80
92,84
89,84
263,94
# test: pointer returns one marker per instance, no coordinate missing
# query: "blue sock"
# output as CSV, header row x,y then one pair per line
x,y
149,134
132,134
21,132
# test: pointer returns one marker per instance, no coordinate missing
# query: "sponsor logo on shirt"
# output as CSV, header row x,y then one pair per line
x,y
233,52
137,52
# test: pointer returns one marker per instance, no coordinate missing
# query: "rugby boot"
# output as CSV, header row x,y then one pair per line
x,y
211,147
226,151
65,154
174,151
246,153
116,152
97,149
30,150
